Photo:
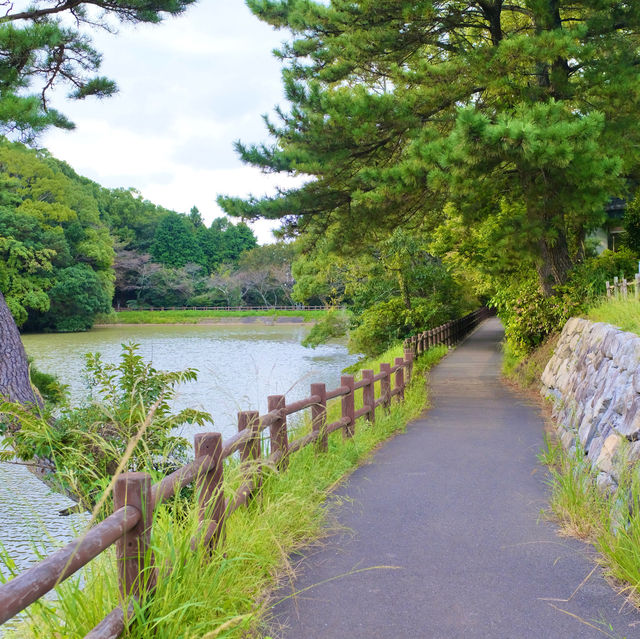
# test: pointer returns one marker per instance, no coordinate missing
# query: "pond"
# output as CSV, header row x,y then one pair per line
x,y
239,366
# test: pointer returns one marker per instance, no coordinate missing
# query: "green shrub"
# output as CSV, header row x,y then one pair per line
x,y
528,316
127,417
631,223
76,298
332,325
587,280
49,386
383,324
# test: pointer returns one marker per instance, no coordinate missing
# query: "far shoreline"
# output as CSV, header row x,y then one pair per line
x,y
233,321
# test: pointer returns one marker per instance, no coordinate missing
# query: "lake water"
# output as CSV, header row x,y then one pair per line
x,y
239,366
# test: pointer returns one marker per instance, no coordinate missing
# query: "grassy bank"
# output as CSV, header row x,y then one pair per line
x,y
609,519
196,317
526,370
230,594
624,314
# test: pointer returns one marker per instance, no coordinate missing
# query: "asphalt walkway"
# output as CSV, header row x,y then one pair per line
x,y
444,534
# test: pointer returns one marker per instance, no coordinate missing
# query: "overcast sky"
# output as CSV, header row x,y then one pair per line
x,y
188,87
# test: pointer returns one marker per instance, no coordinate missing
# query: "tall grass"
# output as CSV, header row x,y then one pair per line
x,y
227,594
526,370
195,317
609,518
620,312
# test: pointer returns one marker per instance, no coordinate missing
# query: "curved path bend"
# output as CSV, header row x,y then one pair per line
x,y
444,533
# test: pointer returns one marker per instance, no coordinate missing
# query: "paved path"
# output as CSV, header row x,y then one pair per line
x,y
454,505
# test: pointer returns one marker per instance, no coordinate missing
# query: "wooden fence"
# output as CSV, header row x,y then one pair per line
x,y
620,288
223,308
135,498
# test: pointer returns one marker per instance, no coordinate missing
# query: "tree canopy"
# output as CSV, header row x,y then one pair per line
x,y
44,46
51,234
65,242
415,112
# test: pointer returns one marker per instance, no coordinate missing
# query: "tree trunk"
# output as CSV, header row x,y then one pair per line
x,y
555,263
404,291
15,384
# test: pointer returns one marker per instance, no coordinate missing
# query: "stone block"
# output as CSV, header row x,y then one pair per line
x,y
633,454
568,439
605,483
572,325
594,449
574,341
636,381
630,423
629,356
586,432
608,450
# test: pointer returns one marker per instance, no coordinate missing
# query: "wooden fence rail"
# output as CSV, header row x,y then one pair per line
x,y
135,498
620,288
222,308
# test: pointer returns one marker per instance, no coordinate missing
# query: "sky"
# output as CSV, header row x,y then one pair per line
x,y
189,87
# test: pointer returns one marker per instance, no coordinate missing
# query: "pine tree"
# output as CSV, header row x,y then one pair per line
x,y
175,243
399,107
39,51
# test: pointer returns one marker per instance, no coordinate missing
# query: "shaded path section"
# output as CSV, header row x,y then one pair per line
x,y
452,507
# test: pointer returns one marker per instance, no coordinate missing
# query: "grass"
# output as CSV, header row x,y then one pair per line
x,y
228,595
195,317
526,370
610,520
624,314
575,501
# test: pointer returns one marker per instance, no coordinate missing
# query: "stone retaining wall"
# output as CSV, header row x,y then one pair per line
x,y
593,380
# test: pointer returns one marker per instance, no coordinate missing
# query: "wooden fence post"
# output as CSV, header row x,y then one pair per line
x,y
399,362
408,358
385,384
278,429
348,405
615,287
250,452
369,394
136,573
319,417
211,502
623,288
637,289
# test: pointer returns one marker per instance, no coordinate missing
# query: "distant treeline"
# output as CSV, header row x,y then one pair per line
x,y
70,247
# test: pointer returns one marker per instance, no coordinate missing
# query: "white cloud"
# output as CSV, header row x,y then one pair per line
x,y
188,88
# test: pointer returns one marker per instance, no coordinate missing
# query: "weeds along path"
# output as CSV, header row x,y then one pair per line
x,y
445,535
